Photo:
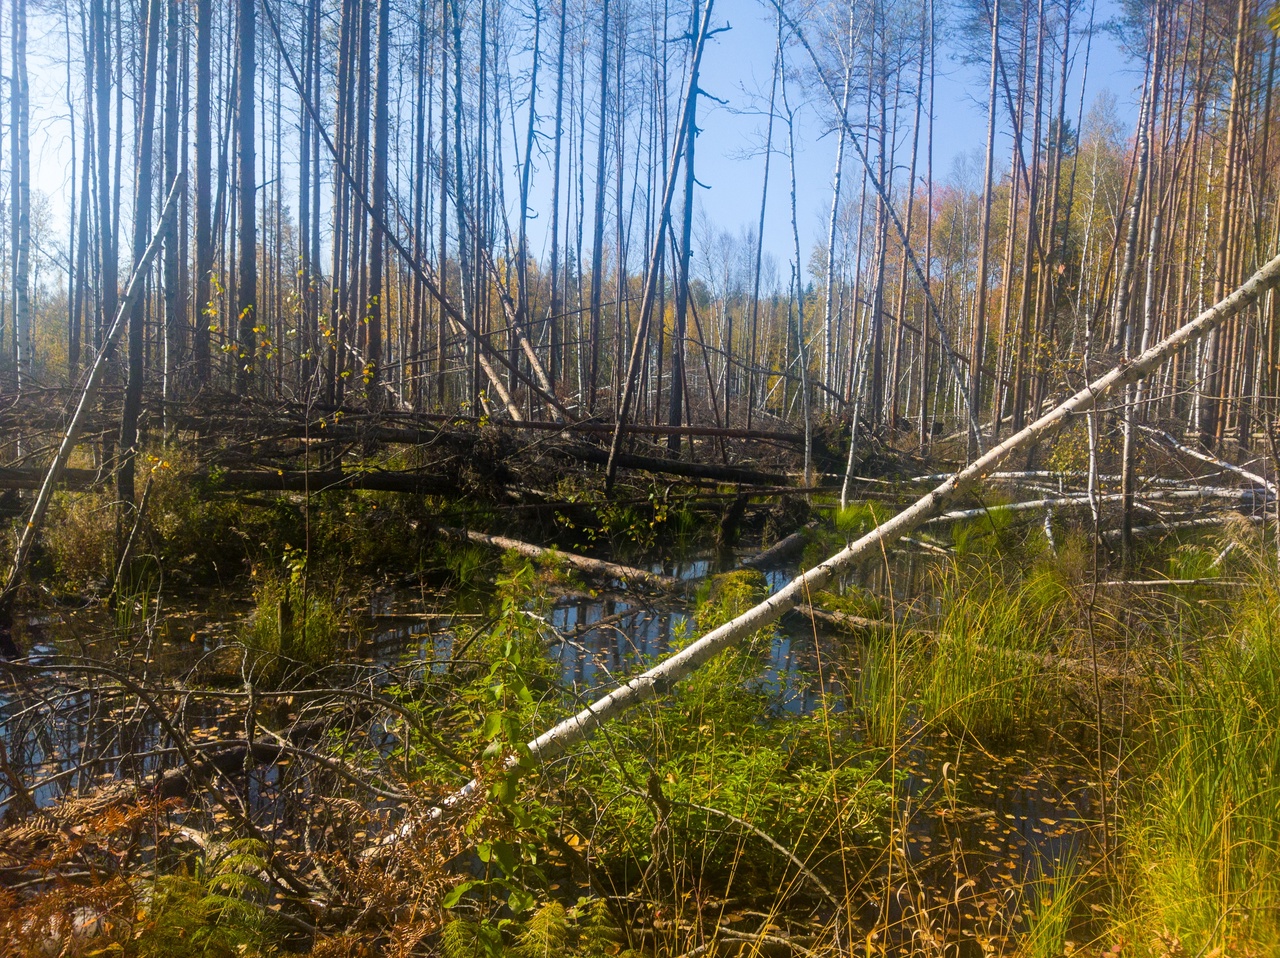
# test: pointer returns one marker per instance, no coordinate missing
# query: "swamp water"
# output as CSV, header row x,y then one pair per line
x,y
976,839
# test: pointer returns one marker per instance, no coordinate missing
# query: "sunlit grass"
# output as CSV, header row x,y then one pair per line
x,y
1203,867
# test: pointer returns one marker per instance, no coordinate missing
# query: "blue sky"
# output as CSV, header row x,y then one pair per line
x,y
737,69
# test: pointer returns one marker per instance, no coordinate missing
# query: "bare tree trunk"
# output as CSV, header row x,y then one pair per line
x,y
759,251
1211,406
895,405
977,354
554,334
373,349
442,213
308,332
203,189
20,201
926,426
828,315
174,338
802,350
137,315
247,278
75,281
1133,394
597,235
676,410
522,243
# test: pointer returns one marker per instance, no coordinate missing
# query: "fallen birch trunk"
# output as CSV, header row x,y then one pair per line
x,y
1069,478
611,570
1244,497
657,680
1208,522
661,677
1211,459
1220,582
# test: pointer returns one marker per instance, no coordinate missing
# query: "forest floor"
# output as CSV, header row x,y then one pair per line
x,y
296,720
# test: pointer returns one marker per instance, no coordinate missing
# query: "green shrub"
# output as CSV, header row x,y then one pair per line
x,y
79,539
212,909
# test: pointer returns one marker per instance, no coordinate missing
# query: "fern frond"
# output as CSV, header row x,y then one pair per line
x,y
461,939
546,933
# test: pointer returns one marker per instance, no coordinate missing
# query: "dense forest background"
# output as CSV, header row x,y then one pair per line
x,y
489,208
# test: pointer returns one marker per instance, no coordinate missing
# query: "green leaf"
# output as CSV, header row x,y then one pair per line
x,y
520,900
506,856
455,894
493,725
504,789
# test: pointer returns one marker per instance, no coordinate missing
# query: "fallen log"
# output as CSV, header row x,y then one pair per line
x,y
675,467
1245,497
239,755
598,567
1161,583
293,480
780,550
1173,443
1207,522
77,479
841,620
661,677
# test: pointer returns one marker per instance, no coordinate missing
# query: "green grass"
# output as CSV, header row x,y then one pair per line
x,y
292,627
985,676
1203,867
1058,900
885,686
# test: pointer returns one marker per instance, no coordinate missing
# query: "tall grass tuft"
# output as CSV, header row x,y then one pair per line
x,y
1205,845
885,687
986,675
1058,897
292,626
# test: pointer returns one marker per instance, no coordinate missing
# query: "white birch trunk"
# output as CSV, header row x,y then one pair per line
x,y
661,677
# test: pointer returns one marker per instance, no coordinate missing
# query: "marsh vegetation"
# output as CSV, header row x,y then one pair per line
x,y
989,739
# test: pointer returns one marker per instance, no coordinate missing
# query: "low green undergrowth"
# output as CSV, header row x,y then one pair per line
x,y
297,622
985,675
211,906
709,791
978,665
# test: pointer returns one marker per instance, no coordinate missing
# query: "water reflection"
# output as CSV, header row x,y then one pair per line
x,y
972,826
